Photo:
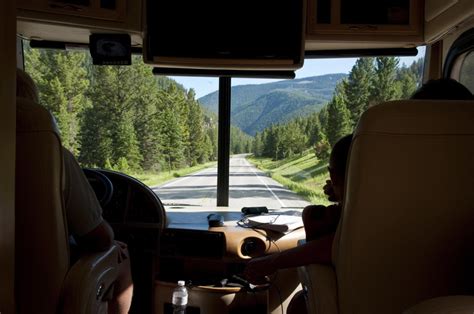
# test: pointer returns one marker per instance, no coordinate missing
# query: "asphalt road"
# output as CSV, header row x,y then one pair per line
x,y
248,186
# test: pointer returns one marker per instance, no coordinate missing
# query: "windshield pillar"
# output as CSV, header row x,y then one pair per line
x,y
223,148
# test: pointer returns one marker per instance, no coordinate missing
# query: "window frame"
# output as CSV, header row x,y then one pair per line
x,y
458,52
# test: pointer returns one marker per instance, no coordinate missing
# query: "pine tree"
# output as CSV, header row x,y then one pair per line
x,y
96,149
210,129
281,147
313,129
196,135
409,78
62,81
406,82
417,69
384,86
358,87
122,165
172,132
258,145
271,142
339,123
322,149
146,117
249,146
212,135
292,142
112,97
323,119
206,149
125,142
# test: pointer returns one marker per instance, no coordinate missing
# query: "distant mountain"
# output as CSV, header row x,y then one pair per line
x,y
255,107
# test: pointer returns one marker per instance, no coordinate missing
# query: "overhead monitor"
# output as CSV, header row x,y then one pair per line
x,y
230,34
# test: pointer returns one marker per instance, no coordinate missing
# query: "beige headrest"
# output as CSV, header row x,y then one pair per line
x,y
31,116
405,117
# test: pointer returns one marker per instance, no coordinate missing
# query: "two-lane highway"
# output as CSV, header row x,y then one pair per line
x,y
248,186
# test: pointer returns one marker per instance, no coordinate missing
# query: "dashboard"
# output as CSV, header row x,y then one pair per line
x,y
169,246
190,249
130,205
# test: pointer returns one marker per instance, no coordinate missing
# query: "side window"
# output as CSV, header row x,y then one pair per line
x,y
459,64
466,73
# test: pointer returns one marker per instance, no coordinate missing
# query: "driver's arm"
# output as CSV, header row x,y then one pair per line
x,y
83,212
99,239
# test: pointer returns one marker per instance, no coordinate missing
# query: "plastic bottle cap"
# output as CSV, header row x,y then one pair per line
x,y
181,283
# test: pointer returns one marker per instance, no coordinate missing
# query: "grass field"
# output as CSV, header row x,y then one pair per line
x,y
305,175
153,179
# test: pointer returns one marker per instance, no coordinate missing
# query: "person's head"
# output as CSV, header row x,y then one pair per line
x,y
25,86
338,163
447,89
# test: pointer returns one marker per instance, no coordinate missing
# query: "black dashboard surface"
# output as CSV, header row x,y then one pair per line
x,y
197,220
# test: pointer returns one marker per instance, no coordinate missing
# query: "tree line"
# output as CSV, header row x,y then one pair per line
x,y
124,117
370,81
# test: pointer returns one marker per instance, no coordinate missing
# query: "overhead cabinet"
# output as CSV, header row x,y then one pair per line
x,y
114,10
369,19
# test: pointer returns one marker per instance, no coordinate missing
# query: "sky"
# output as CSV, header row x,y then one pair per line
x,y
312,67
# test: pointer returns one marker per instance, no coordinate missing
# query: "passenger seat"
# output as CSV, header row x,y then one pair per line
x,y
407,228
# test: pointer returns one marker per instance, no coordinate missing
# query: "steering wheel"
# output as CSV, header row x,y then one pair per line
x,y
101,185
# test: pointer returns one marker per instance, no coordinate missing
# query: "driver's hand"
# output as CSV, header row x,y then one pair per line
x,y
329,191
257,269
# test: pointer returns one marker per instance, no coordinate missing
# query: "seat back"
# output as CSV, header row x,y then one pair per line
x,y
42,252
406,232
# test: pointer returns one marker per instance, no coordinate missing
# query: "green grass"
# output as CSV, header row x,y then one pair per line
x,y
152,179
304,175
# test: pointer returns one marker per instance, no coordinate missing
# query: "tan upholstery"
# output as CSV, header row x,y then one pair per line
x,y
89,283
406,232
42,250
42,257
320,282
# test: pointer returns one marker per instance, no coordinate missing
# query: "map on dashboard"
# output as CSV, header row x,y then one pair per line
x,y
275,222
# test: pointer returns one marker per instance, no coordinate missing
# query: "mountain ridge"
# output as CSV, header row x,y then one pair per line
x,y
257,106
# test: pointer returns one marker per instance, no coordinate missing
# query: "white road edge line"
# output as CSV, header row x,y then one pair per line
x,y
268,188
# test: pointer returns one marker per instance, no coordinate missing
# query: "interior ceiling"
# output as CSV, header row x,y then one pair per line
x,y
70,34
62,33
441,17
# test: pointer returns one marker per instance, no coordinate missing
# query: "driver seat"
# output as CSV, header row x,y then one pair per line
x,y
45,282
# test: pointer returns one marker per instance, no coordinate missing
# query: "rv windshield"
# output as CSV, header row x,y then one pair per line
x,y
163,130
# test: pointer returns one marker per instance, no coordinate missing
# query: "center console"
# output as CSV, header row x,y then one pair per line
x,y
210,260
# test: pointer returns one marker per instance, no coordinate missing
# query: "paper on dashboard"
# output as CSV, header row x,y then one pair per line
x,y
275,222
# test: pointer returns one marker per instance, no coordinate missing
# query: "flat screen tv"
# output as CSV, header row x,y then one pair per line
x,y
225,34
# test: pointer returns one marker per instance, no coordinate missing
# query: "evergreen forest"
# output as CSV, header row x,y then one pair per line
x,y
370,81
123,117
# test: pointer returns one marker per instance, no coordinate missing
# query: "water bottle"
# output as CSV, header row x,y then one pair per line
x,y
180,298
